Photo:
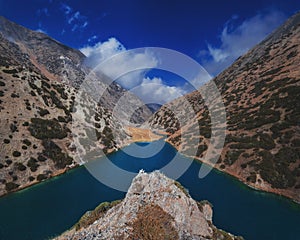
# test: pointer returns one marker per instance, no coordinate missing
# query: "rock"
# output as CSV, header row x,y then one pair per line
x,y
154,208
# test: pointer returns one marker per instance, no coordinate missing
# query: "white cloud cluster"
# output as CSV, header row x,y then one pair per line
x,y
74,18
235,41
152,90
103,50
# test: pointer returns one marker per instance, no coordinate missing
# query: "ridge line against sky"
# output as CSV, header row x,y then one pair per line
x,y
213,33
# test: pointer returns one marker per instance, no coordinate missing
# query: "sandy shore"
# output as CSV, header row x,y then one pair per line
x,y
142,135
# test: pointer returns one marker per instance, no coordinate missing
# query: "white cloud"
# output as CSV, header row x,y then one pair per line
x,y
103,50
150,90
76,19
76,15
235,41
92,38
155,91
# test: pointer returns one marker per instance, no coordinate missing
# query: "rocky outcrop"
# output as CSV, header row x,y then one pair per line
x,y
155,207
260,92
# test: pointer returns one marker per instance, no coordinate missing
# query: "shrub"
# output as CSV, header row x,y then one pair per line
x,y
10,71
27,142
31,178
41,158
61,119
91,216
32,164
251,178
231,156
41,177
13,127
14,95
11,186
182,188
54,152
20,166
45,128
265,141
275,169
16,154
8,162
43,112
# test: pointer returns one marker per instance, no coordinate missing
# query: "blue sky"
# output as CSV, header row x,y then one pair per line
x,y
214,33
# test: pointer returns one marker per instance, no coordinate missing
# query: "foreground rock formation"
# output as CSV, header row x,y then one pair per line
x,y
155,207
260,91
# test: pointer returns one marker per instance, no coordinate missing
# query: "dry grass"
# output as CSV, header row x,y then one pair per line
x,y
153,223
142,135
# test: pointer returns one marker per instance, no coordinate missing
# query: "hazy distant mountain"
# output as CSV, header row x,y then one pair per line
x,y
261,94
153,107
39,81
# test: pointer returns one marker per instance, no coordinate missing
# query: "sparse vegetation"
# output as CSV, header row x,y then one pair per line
x,y
27,142
20,166
54,152
11,186
41,177
153,223
32,164
47,129
91,216
16,154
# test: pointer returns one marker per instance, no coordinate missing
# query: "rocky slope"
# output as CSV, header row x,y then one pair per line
x,y
155,207
261,93
45,121
23,47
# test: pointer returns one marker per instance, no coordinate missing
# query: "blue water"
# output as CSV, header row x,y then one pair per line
x,y
49,208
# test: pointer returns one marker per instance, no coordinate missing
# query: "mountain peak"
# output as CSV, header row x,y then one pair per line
x,y
155,207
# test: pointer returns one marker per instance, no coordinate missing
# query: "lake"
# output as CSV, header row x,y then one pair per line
x,y
51,207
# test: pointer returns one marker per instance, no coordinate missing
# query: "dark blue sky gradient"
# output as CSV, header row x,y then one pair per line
x,y
185,26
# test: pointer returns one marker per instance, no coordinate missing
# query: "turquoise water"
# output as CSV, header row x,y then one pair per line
x,y
49,208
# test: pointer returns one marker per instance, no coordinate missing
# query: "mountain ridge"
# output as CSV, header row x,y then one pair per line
x,y
47,125
260,91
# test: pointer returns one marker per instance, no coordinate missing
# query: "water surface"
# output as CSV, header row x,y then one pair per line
x,y
49,208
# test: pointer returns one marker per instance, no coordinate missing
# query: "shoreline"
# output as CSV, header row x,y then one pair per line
x,y
276,192
146,136
34,183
